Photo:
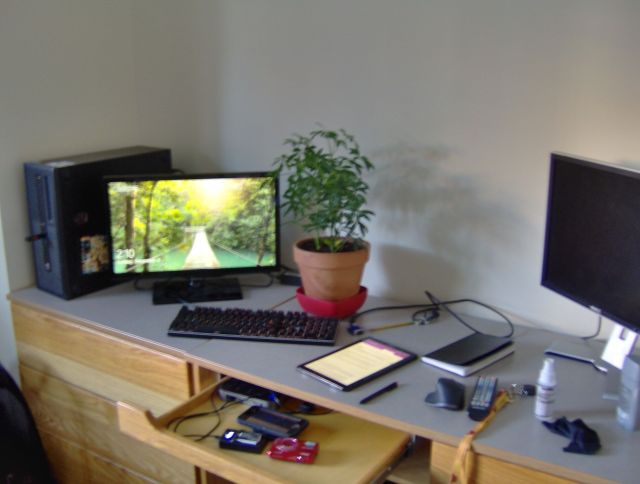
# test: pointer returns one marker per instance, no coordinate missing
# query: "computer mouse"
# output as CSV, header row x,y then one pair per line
x,y
448,394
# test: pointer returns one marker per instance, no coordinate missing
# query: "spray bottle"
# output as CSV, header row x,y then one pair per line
x,y
546,390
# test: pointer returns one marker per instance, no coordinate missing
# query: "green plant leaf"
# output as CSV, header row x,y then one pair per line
x,y
325,192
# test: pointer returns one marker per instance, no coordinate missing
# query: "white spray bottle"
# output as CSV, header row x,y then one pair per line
x,y
546,390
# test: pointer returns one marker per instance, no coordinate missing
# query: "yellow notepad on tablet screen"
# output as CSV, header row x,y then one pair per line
x,y
357,363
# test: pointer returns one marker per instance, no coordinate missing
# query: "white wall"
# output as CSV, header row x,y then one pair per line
x,y
458,103
174,54
7,347
67,87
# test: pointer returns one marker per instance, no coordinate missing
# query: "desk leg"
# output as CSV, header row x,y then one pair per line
x,y
414,468
208,478
201,378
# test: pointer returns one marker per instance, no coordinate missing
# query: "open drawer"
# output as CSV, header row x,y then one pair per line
x,y
351,449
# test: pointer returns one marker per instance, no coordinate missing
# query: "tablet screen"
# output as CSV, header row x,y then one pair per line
x,y
357,363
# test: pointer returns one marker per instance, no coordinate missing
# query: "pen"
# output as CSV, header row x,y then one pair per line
x,y
427,318
391,326
375,394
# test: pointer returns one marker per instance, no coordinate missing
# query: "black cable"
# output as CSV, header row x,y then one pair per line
x,y
216,411
288,269
598,329
355,330
313,411
355,317
183,418
436,304
446,304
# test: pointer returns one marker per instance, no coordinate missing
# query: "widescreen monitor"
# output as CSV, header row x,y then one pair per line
x,y
592,243
195,228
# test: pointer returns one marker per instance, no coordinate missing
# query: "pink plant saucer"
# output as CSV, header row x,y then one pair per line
x,y
335,309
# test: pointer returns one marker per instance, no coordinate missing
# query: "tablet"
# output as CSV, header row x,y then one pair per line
x,y
357,363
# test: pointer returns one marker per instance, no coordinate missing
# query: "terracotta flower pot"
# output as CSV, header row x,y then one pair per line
x,y
330,276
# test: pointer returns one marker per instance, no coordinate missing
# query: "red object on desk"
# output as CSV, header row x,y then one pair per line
x,y
294,450
335,309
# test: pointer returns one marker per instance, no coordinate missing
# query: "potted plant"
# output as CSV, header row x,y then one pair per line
x,y
326,196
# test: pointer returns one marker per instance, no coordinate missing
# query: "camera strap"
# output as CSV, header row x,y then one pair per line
x,y
463,462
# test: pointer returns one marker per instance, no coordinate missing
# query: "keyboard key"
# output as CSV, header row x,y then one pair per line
x,y
254,325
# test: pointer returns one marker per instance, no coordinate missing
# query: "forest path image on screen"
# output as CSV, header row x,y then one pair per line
x,y
185,224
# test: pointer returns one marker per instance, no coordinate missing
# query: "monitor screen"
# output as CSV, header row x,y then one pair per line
x,y
193,225
592,243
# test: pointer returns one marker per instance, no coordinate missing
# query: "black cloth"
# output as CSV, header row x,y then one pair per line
x,y
22,456
584,440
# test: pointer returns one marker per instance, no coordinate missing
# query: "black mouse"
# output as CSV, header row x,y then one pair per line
x,y
448,394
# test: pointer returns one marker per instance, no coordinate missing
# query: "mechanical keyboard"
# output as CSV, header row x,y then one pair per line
x,y
254,325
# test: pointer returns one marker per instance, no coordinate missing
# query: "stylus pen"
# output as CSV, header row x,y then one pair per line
x,y
391,326
386,389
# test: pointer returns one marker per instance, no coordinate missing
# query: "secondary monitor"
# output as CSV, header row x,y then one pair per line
x,y
192,229
592,243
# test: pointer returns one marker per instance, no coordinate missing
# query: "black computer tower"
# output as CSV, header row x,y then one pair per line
x,y
68,215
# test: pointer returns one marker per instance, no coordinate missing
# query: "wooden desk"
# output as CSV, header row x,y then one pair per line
x,y
83,355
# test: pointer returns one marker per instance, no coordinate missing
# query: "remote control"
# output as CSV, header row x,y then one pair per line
x,y
482,398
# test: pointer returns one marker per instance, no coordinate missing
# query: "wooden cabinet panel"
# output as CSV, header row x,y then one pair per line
x,y
90,422
72,464
486,469
104,364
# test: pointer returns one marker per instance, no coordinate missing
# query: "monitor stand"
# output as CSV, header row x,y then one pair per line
x,y
578,351
620,344
196,290
611,383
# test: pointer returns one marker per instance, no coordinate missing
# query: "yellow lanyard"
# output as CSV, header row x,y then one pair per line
x,y
462,464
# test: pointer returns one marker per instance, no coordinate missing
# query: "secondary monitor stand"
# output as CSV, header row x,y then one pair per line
x,y
620,344
578,350
196,290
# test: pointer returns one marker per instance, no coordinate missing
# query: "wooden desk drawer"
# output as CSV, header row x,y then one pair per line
x,y
73,464
486,469
351,450
106,365
87,426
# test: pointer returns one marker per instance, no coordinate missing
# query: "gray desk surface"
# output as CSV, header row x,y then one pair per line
x,y
515,435
126,311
